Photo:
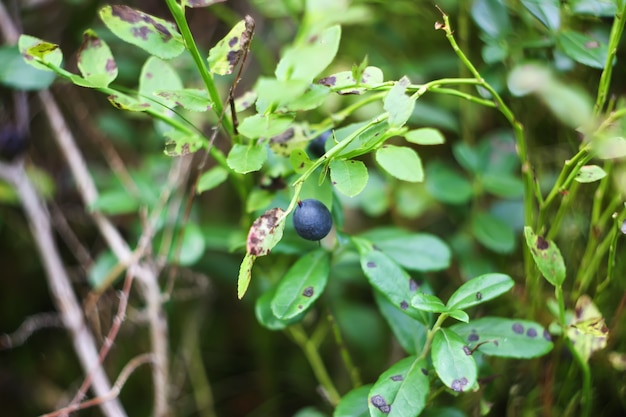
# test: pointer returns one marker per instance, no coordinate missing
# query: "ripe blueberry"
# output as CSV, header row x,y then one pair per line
x,y
312,220
317,147
13,142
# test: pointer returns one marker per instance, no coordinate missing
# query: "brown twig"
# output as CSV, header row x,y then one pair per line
x,y
29,326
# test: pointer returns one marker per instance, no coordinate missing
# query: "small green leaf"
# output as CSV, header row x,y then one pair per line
x,y
308,59
193,245
157,75
264,126
455,367
494,233
398,104
274,94
115,202
459,315
354,403
492,17
245,275
401,162
414,251
313,97
401,390
266,232
152,34
247,158
344,82
479,290
228,51
547,257
409,332
193,99
265,316
583,48
425,136
468,157
611,147
36,52
502,185
587,330
368,139
387,277
300,160
302,285
16,73
95,60
348,176
428,302
101,273
211,179
182,143
547,12
590,173
447,185
508,338
122,101
258,199
600,8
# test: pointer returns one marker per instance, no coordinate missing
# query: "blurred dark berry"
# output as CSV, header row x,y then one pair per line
x,y
317,147
13,142
312,220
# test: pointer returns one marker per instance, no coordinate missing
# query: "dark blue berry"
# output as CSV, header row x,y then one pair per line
x,y
312,220
13,142
317,147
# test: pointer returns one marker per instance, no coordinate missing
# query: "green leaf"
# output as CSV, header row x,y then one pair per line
x,y
157,75
401,390
387,277
273,94
401,162
492,17
247,158
152,34
611,147
459,315
590,173
547,257
193,245
102,273
492,232
313,97
354,403
446,185
428,302
415,251
265,316
211,179
344,83
508,338
228,51
182,143
454,366
258,199
587,330
425,136
370,138
409,332
479,290
264,126
308,59
17,74
193,99
398,104
600,8
302,285
265,232
95,60
468,157
299,160
115,202
348,176
36,52
502,185
546,11
245,274
583,48
124,102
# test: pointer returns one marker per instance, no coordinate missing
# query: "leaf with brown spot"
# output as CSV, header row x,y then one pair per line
x,y
152,34
95,61
266,232
547,257
37,52
587,330
227,53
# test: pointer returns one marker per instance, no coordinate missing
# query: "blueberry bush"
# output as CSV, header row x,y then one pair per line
x,y
316,208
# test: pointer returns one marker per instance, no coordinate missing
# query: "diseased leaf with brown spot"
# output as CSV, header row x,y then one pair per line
x,y
547,257
587,330
95,61
37,52
152,34
200,3
193,99
344,82
266,232
224,56
181,143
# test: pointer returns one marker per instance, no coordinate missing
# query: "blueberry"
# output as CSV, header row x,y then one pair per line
x,y
312,219
317,147
13,142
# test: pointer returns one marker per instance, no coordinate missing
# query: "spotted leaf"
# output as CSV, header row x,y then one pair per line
x,y
454,365
547,257
95,60
229,51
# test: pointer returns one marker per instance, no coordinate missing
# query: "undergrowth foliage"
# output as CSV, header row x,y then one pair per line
x,y
448,342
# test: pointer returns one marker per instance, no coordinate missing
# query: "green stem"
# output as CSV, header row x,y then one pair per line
x,y
612,254
605,78
353,371
315,360
178,13
431,334
584,367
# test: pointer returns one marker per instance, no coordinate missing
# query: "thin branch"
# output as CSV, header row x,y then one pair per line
x,y
29,326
